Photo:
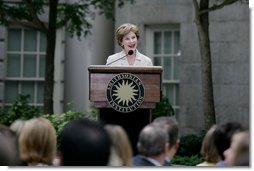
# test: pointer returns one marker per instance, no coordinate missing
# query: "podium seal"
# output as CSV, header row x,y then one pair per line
x,y
125,92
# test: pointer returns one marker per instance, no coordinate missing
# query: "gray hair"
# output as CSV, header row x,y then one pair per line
x,y
152,140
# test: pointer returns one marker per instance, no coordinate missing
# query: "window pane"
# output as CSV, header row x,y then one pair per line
x,y
30,40
29,66
42,42
157,61
27,88
11,91
13,65
176,42
40,90
176,67
167,68
157,42
167,42
42,66
14,40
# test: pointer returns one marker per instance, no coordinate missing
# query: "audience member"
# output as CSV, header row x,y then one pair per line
x,y
152,146
170,124
37,142
222,137
121,151
17,126
84,143
238,152
9,151
208,149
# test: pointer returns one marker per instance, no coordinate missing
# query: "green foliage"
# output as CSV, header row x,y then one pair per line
x,y
58,121
20,109
190,145
163,108
187,160
75,16
189,150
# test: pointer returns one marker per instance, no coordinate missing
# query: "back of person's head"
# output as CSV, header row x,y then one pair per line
x,y
84,143
223,134
9,152
208,148
152,140
171,125
120,144
37,142
17,126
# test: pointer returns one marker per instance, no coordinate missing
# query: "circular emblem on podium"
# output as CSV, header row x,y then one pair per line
x,y
125,92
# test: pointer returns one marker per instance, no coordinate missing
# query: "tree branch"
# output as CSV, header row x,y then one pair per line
x,y
35,17
216,7
28,24
196,10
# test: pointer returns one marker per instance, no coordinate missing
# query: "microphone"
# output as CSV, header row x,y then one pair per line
x,y
130,52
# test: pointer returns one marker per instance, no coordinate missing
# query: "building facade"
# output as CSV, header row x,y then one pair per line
x,y
168,36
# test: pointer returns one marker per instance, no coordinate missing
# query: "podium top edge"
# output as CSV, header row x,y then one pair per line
x,y
118,69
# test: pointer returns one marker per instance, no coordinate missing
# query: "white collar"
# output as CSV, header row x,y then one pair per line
x,y
155,162
138,55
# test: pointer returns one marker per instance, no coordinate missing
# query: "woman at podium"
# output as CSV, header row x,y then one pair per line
x,y
127,36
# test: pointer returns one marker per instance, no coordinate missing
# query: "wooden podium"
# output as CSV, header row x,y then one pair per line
x,y
125,95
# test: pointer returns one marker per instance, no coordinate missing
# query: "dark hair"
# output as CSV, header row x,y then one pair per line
x,y
223,134
84,143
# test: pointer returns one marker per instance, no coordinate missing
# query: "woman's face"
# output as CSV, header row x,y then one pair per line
x,y
129,42
230,153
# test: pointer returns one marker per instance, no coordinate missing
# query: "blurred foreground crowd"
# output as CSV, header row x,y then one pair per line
x,y
85,142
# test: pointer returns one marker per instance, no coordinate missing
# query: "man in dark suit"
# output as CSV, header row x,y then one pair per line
x,y
152,146
171,126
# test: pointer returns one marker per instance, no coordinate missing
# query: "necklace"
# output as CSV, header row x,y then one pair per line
x,y
131,60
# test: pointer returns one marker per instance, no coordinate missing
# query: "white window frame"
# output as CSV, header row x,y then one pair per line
x,y
22,79
150,30
58,96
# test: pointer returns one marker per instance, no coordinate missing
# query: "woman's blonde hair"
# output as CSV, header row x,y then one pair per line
x,y
123,30
37,142
208,148
17,126
120,144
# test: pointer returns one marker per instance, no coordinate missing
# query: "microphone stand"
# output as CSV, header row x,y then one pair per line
x,y
130,52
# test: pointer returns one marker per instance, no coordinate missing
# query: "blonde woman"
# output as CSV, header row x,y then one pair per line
x,y
121,151
208,149
127,36
17,126
37,142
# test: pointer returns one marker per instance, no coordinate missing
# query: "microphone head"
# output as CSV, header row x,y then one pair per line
x,y
130,52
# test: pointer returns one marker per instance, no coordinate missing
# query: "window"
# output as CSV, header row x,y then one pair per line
x,y
163,46
25,65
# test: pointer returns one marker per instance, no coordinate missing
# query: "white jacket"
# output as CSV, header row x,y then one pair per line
x,y
141,60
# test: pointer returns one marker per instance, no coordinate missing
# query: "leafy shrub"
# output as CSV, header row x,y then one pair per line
x,y
20,109
163,108
187,160
188,153
190,145
58,121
